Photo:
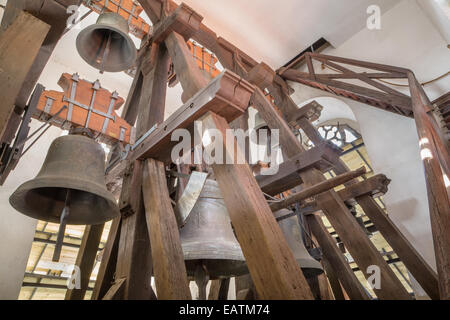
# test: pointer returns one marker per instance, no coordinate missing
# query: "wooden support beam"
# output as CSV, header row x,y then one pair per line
x,y
168,261
116,292
134,261
183,21
335,285
363,192
332,253
373,186
85,259
413,261
310,112
435,159
360,247
227,94
317,189
356,241
105,275
261,239
185,66
152,99
18,50
287,176
351,91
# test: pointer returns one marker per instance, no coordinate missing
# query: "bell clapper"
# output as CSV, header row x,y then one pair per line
x,y
62,228
201,279
106,53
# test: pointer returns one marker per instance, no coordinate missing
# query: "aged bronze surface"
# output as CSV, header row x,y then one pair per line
x,y
207,238
74,163
106,45
292,233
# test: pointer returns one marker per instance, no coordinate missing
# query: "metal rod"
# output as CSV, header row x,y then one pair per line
x,y
39,129
62,228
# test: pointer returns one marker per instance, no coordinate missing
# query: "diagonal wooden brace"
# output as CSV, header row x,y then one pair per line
x,y
184,21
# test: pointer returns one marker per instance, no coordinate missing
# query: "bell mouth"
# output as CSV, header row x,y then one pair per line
x,y
217,268
90,203
91,41
222,259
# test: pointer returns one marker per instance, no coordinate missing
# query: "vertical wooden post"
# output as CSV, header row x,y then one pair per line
x,y
272,265
168,261
105,275
154,69
18,49
435,159
134,261
85,259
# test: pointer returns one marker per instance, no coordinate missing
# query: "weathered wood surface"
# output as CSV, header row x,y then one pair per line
x,y
183,20
18,50
317,189
227,94
373,186
339,264
364,191
116,292
185,66
335,285
168,262
134,261
359,246
261,239
419,268
105,275
85,259
54,13
152,99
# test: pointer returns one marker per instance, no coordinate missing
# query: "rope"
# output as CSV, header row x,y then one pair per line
x,y
397,84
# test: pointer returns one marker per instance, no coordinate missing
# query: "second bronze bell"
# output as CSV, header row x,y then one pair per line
x,y
208,240
106,45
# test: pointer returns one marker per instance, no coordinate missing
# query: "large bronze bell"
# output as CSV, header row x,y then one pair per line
x,y
74,165
291,231
208,240
106,45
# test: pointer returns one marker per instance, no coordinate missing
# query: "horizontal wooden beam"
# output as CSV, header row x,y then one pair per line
x,y
387,102
287,176
318,188
373,186
227,95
